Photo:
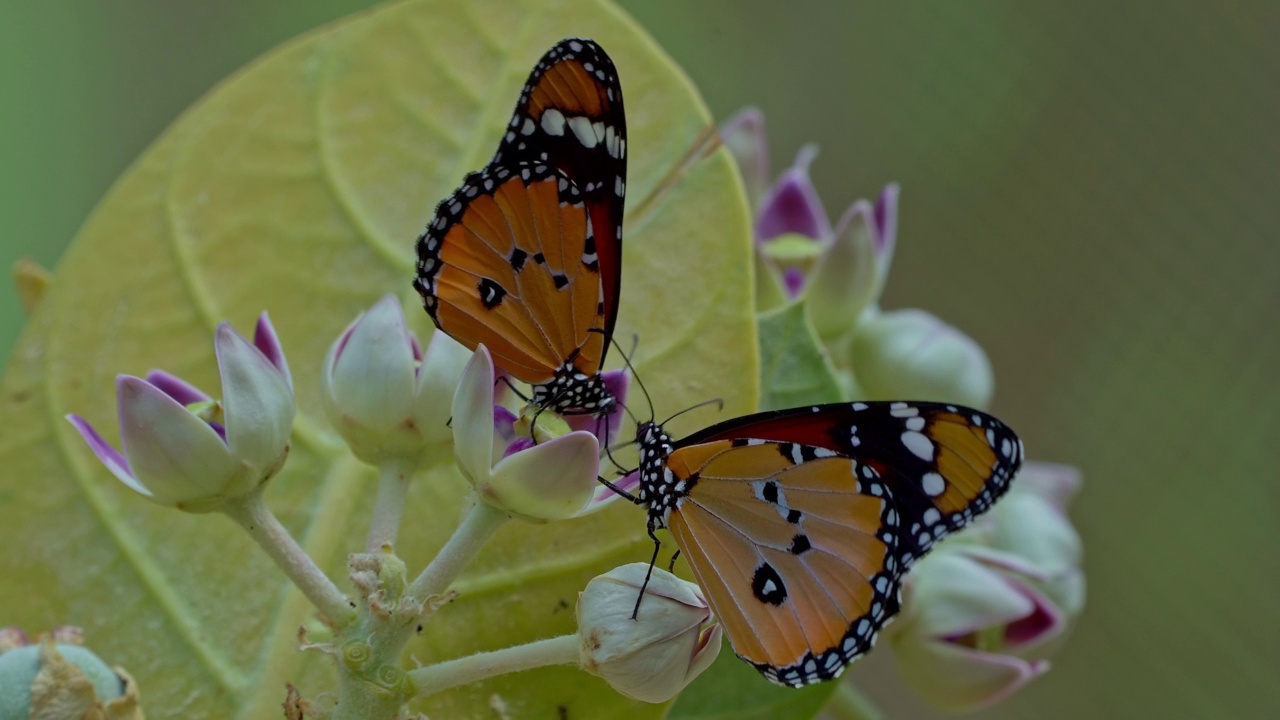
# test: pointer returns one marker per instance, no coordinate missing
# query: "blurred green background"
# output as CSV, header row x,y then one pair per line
x,y
1089,189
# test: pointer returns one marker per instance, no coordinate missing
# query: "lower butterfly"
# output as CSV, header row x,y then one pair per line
x,y
799,524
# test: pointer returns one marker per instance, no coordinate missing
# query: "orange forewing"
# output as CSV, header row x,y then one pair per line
x,y
549,304
964,458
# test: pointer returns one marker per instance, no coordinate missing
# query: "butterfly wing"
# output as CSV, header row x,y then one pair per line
x,y
944,464
507,262
570,116
793,546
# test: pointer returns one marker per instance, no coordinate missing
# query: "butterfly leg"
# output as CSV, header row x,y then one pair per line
x,y
635,500
671,566
507,380
657,545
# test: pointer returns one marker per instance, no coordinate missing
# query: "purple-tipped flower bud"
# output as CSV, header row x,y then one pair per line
x,y
983,613
185,450
551,480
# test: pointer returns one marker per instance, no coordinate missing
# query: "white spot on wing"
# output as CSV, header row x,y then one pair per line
x,y
582,129
553,121
933,484
918,444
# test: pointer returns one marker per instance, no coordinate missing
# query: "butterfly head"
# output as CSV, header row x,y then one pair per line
x,y
659,488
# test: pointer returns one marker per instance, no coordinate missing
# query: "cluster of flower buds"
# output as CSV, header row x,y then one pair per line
x,y
838,272
983,612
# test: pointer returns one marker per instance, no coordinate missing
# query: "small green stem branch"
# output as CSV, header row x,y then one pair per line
x,y
848,703
393,486
481,522
432,679
252,514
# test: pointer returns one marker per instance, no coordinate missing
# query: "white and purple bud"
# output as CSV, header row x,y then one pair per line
x,y
387,398
183,449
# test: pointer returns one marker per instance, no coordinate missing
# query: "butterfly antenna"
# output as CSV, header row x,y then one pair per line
x,y
607,450
718,402
629,413
626,359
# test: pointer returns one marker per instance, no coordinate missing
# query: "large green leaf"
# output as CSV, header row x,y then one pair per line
x,y
298,186
732,690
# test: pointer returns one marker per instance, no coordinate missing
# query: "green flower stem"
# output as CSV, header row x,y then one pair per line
x,y
393,486
848,703
252,513
431,679
481,522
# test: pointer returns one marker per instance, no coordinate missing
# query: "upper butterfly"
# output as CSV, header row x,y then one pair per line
x,y
799,524
525,257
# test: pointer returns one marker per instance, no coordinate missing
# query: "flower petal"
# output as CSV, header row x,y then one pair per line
x,y
950,594
107,454
438,376
743,135
266,340
175,455
793,205
1045,622
257,404
372,378
549,481
1055,482
959,678
177,388
885,232
605,496
473,418
1031,527
844,283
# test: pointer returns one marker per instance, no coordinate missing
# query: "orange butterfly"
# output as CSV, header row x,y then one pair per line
x,y
799,524
525,257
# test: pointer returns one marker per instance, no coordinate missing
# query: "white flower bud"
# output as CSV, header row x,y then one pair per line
x,y
672,639
913,355
387,398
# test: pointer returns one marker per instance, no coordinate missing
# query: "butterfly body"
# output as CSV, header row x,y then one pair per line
x,y
800,524
525,256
